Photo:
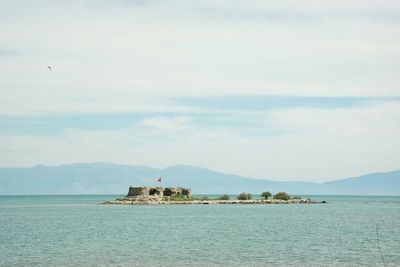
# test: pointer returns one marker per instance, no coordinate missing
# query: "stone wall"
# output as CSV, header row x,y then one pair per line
x,y
174,191
138,191
158,191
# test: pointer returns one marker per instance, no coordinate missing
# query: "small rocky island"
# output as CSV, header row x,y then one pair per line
x,y
178,195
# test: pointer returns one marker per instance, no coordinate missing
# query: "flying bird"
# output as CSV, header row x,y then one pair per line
x,y
49,67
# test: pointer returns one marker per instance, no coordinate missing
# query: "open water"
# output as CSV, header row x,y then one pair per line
x,y
77,231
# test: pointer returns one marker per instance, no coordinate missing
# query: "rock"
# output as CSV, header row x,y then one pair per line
x,y
137,191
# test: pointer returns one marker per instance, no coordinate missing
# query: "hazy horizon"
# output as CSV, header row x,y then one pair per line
x,y
200,167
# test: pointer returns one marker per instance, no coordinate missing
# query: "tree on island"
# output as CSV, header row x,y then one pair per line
x,y
282,196
266,195
244,196
224,197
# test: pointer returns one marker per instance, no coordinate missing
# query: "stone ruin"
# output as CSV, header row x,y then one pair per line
x,y
158,192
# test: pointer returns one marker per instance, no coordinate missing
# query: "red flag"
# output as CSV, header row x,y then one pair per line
x,y
159,180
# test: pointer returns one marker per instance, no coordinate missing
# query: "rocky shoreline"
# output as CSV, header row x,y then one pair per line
x,y
147,201
146,195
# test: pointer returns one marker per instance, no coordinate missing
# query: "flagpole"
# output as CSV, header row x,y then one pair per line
x,y
159,181
159,184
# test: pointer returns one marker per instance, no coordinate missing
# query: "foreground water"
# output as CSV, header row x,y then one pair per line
x,y
77,231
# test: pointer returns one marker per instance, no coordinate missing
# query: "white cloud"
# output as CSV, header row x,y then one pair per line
x,y
166,123
116,57
130,56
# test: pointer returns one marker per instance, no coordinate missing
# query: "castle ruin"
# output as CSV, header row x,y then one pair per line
x,y
147,191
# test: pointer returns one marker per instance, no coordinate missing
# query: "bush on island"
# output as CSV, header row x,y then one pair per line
x,y
178,198
282,196
224,197
244,196
266,195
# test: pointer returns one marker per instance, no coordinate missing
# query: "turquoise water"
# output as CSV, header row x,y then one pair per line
x,y
76,231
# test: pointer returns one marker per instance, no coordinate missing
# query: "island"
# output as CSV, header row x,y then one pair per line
x,y
146,195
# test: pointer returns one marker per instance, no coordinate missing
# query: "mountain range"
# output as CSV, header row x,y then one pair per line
x,y
109,178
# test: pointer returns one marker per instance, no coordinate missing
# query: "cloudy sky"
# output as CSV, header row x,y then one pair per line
x,y
283,90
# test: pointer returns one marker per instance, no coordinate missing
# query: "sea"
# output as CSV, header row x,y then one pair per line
x,y
79,231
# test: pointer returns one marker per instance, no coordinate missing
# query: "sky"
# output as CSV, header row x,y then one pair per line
x,y
281,90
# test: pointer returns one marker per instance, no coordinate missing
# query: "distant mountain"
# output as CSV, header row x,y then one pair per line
x,y
108,178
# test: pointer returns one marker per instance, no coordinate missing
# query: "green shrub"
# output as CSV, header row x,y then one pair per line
x,y
178,198
266,195
282,196
224,197
245,196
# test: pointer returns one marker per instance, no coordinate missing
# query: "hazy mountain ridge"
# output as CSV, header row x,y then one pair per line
x,y
109,178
